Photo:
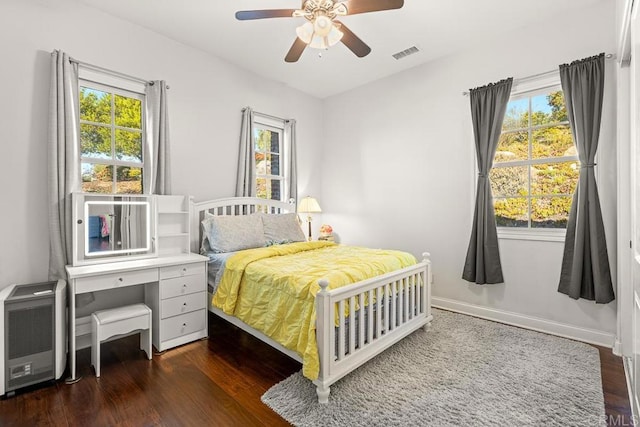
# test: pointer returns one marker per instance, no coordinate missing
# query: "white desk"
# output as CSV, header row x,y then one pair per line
x,y
175,290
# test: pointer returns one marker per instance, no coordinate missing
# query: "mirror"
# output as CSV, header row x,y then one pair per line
x,y
109,226
116,226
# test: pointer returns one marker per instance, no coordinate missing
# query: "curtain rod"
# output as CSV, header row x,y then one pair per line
x,y
112,72
544,74
268,116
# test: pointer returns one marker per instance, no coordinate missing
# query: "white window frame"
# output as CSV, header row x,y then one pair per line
x,y
108,83
277,126
528,88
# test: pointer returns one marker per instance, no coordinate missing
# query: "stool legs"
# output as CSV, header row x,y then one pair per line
x,y
145,345
145,342
109,324
95,345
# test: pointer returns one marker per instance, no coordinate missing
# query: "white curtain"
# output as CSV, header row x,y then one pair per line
x,y
246,179
291,170
64,159
157,171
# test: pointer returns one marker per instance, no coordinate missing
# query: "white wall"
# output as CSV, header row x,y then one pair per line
x,y
205,100
398,168
397,157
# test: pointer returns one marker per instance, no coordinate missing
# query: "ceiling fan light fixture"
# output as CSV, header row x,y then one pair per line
x,y
322,25
306,32
340,9
334,36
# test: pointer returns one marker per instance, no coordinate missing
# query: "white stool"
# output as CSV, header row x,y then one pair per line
x,y
106,324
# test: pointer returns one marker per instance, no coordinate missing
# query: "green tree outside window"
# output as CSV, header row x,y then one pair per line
x,y
536,168
111,139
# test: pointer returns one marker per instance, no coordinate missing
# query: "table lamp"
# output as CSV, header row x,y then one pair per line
x,y
309,205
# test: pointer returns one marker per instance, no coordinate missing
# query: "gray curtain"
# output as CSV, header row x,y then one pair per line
x,y
292,162
64,160
488,106
246,180
157,171
585,264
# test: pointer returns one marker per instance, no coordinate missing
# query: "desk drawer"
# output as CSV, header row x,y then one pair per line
x,y
182,270
116,280
184,304
170,288
184,324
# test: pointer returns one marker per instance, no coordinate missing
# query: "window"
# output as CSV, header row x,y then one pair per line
x,y
111,139
536,167
269,157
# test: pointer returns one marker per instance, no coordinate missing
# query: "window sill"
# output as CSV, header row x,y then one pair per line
x,y
539,235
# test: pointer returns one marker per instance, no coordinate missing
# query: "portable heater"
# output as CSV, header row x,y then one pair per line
x,y
33,322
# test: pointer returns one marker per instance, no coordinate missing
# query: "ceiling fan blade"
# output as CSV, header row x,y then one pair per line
x,y
245,15
353,42
296,50
364,6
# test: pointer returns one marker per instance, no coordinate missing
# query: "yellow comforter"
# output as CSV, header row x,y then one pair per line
x,y
273,289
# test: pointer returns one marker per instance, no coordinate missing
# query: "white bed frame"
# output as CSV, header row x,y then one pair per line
x,y
404,294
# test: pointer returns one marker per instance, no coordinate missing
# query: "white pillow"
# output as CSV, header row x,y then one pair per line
x,y
232,233
282,228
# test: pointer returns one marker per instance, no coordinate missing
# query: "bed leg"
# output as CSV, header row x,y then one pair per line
x,y
426,327
323,394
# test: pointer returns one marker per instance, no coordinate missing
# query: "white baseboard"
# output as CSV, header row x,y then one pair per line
x,y
590,336
617,347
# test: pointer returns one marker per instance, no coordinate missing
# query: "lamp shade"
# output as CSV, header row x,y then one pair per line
x,y
309,205
322,33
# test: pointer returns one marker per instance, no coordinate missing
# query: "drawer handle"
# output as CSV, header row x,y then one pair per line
x,y
120,279
184,325
184,269
184,304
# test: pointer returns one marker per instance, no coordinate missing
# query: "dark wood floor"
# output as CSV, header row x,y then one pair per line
x,y
215,382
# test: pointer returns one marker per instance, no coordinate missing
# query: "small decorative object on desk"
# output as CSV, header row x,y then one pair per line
x,y
326,233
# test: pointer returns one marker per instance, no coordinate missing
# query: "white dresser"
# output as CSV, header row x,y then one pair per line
x,y
175,290
146,244
178,301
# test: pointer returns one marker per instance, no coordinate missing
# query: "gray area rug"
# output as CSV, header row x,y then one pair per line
x,y
464,371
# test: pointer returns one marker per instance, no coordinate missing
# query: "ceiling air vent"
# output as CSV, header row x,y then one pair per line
x,y
406,52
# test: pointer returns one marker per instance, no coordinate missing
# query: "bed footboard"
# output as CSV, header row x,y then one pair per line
x,y
391,306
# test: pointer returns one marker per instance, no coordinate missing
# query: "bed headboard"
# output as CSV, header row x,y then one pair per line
x,y
232,206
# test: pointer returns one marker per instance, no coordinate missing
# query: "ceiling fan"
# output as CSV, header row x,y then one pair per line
x,y
322,29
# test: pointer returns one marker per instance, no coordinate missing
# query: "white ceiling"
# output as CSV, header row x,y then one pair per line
x,y
437,27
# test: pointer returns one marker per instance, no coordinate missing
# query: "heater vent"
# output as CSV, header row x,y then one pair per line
x,y
406,52
33,334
